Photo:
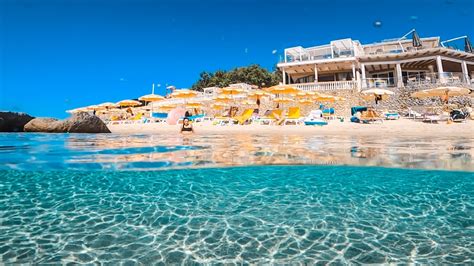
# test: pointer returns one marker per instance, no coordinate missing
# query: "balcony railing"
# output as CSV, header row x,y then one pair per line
x,y
327,86
379,83
448,78
419,80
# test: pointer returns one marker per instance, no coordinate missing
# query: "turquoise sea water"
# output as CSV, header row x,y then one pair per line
x,y
352,213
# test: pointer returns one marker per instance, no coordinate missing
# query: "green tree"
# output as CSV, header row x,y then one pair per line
x,y
253,75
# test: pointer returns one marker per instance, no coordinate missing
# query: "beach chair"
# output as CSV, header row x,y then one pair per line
x,y
414,114
315,118
370,116
328,113
294,116
157,118
271,118
391,115
244,117
434,118
221,120
138,118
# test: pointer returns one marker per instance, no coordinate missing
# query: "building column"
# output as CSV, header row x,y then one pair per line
x,y
359,82
353,71
398,72
465,73
439,65
284,76
364,81
315,73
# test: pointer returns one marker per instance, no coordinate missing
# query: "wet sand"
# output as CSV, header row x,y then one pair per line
x,y
405,127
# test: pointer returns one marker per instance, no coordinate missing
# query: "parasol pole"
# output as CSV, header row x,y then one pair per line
x,y
152,103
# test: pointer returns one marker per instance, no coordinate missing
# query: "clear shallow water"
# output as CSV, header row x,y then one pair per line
x,y
65,198
147,152
267,214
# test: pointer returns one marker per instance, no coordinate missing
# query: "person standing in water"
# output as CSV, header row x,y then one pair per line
x,y
187,126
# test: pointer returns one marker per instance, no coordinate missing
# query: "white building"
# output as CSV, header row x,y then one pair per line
x,y
348,64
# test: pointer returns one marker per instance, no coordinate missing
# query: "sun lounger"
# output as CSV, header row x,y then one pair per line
x,y
271,118
414,114
315,122
315,118
221,120
294,116
157,118
136,119
391,115
244,117
328,113
435,118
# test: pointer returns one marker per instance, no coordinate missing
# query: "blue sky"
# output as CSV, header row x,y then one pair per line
x,y
58,55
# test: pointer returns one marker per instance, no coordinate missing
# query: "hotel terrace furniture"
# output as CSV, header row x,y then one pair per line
x,y
348,64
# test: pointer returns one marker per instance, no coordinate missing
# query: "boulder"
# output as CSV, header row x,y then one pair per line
x,y
13,122
77,123
42,124
84,123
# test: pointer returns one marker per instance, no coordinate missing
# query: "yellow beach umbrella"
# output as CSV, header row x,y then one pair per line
x,y
443,91
184,94
305,102
223,99
151,98
420,94
218,106
283,100
283,89
306,94
258,94
193,105
248,102
128,103
108,105
166,107
325,98
231,91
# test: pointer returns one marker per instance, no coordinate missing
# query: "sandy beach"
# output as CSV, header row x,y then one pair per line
x,y
387,128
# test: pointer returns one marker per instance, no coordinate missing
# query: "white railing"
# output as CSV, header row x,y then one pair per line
x,y
419,80
379,82
327,86
449,78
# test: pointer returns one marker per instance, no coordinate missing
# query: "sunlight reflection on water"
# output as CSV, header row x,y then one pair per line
x,y
145,152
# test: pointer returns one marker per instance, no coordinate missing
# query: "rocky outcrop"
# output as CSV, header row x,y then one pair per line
x,y
41,124
77,123
85,123
13,122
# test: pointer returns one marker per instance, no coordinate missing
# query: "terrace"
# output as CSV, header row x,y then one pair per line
x,y
336,49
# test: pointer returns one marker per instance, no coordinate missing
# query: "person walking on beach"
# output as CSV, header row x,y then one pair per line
x,y
187,126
